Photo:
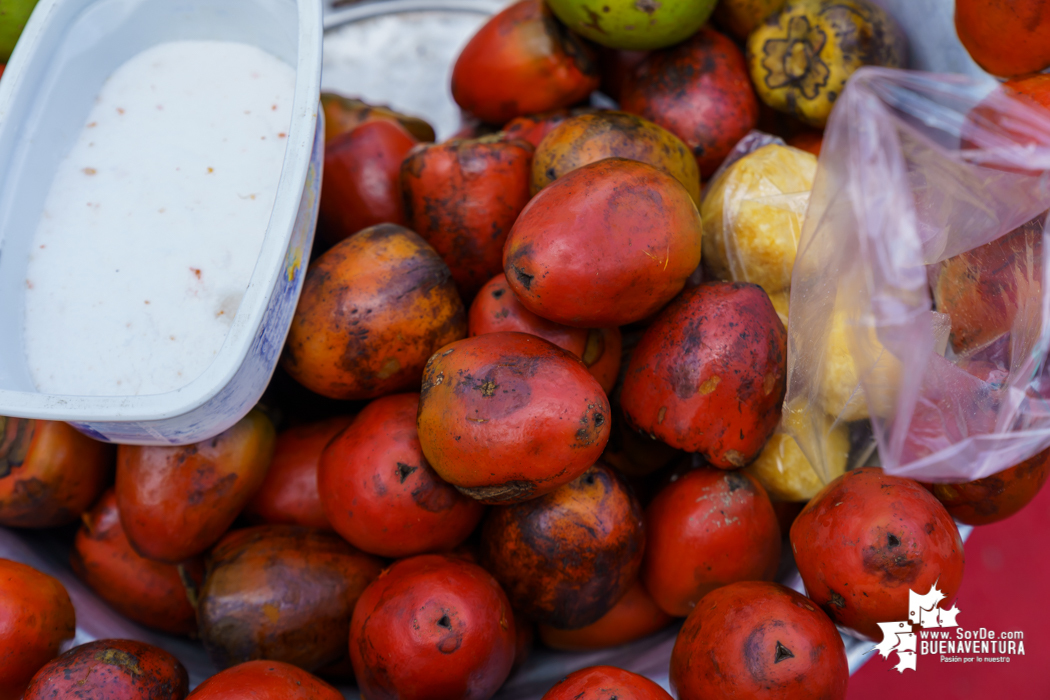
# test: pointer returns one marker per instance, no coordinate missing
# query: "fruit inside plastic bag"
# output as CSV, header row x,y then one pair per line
x,y
918,298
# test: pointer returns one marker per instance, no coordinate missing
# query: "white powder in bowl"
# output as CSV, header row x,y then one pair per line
x,y
153,223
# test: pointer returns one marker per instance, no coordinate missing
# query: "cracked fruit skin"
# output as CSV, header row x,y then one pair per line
x,y
523,61
281,593
699,91
506,417
995,497
264,680
605,683
588,138
432,626
604,245
176,502
710,373
1005,37
639,25
867,539
379,492
148,592
706,529
758,640
49,472
801,57
496,309
36,618
462,196
373,309
111,669
566,558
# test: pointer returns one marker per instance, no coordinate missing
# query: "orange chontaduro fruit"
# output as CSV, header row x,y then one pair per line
x,y
507,416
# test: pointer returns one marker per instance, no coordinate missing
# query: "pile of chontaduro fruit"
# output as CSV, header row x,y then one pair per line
x,y
509,408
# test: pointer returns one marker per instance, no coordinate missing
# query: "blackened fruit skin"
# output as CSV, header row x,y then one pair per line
x,y
566,558
700,91
432,626
282,593
508,416
373,308
49,473
866,540
111,669
462,196
635,615
710,373
996,497
756,639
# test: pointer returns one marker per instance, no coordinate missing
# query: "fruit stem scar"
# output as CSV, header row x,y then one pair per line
x,y
782,653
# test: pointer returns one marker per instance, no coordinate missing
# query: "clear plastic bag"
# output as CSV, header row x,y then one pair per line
x,y
916,170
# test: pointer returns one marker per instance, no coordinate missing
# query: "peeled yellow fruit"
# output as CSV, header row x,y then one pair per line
x,y
784,471
752,216
780,303
840,392
801,57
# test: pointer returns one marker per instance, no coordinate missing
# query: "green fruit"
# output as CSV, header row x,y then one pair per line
x,y
633,24
13,17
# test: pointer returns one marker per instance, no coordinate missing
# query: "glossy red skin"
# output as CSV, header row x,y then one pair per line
x,y
507,416
523,61
361,185
707,529
639,228
176,502
288,495
534,127
566,558
634,616
496,309
148,592
710,373
1035,87
605,683
758,640
265,680
462,197
111,669
867,539
49,472
36,617
432,627
997,497
379,492
1005,37
700,91
281,592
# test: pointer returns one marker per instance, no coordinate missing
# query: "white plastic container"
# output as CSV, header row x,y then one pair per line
x,y
69,48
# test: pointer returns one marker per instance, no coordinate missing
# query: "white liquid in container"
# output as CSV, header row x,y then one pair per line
x,y
153,223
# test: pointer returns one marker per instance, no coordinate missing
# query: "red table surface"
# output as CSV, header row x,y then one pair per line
x,y
1005,586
